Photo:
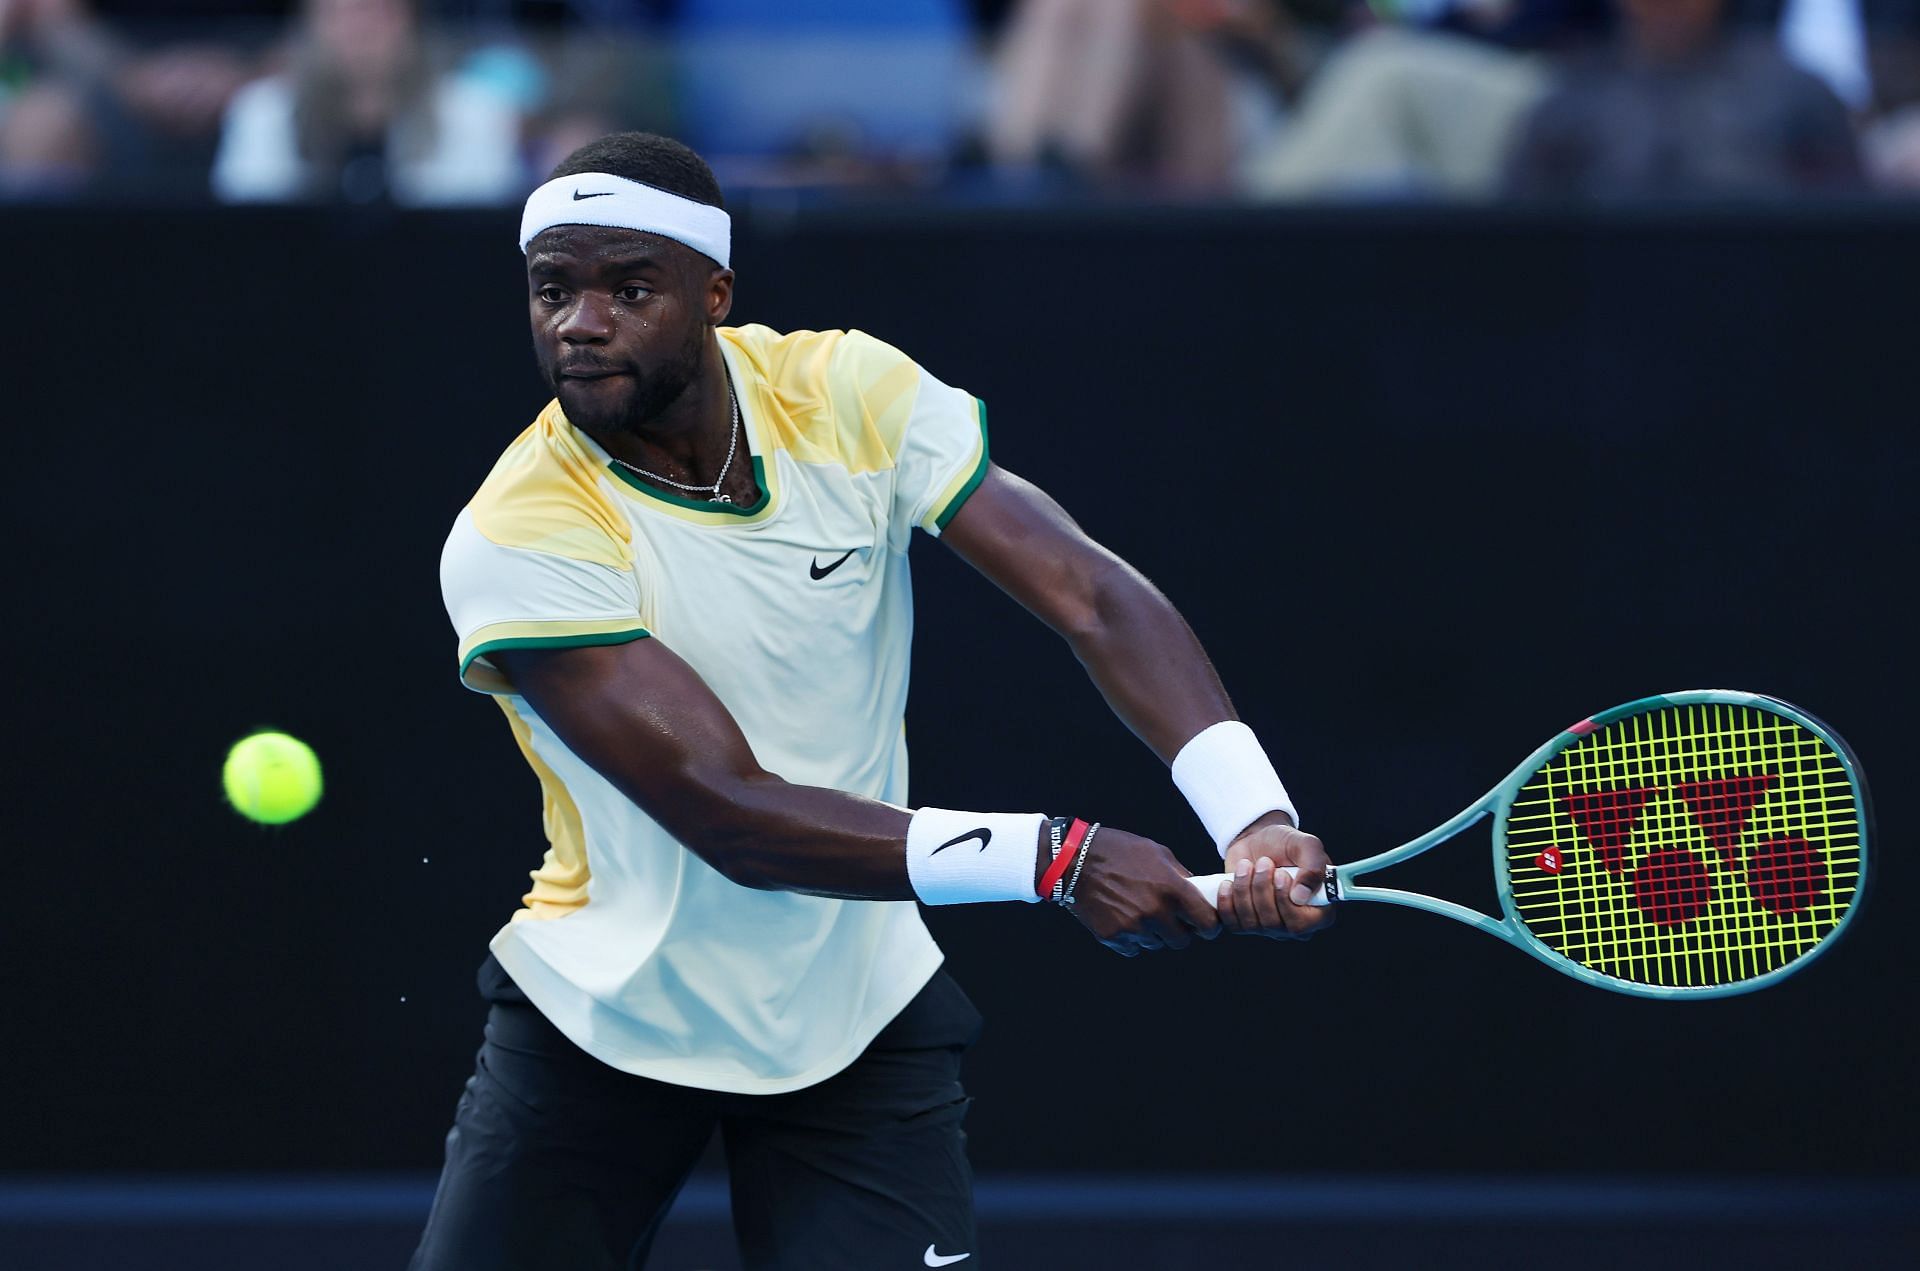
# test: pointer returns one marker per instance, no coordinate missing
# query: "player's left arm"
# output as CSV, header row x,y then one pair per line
x,y
1145,661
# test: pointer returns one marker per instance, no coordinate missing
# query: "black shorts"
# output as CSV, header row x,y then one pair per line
x,y
557,1160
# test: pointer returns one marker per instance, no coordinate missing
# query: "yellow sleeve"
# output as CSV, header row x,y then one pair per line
x,y
540,559
934,435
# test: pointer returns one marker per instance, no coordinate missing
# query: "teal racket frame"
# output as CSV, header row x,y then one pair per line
x,y
1497,803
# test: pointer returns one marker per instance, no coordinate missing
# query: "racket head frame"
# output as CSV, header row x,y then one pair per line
x,y
1498,803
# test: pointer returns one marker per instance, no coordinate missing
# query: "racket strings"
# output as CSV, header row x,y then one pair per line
x,y
1687,846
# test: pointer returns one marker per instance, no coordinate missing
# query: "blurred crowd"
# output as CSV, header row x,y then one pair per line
x,y
418,102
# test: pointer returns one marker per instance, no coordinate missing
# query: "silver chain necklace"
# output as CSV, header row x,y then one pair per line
x,y
711,491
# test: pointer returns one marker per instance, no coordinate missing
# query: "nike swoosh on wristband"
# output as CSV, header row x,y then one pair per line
x,y
985,836
818,573
597,194
933,1259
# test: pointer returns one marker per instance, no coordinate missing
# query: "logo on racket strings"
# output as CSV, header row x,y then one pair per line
x,y
1672,884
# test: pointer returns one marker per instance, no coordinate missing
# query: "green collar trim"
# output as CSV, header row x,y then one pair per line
x,y
700,505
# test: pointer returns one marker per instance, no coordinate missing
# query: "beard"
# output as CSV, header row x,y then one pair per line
x,y
628,403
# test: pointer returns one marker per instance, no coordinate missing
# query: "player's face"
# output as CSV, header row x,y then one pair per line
x,y
620,321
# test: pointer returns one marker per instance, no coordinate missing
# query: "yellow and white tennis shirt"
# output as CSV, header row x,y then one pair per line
x,y
797,611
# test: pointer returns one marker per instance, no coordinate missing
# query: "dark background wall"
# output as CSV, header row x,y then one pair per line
x,y
1429,486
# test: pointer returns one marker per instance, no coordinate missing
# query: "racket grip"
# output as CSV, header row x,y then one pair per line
x,y
1209,886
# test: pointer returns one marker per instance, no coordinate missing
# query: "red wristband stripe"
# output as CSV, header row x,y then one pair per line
x,y
1058,869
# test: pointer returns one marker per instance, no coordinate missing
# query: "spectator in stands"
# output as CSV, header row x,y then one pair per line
x,y
82,111
1426,107
1868,52
361,116
1111,91
51,55
1891,148
1684,102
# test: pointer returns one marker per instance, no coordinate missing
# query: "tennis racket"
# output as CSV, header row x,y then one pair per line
x,y
1698,844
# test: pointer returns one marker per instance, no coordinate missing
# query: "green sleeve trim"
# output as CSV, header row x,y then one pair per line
x,y
973,482
555,642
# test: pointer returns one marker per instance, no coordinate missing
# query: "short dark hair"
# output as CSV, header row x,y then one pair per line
x,y
648,158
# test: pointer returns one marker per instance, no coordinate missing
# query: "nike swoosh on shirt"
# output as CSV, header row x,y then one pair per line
x,y
597,194
933,1259
819,573
985,836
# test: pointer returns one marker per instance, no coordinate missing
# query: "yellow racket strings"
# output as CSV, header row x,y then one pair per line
x,y
1668,905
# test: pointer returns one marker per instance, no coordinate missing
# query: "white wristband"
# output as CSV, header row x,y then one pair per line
x,y
1229,780
959,858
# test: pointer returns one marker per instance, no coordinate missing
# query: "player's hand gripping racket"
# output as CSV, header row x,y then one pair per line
x,y
1693,845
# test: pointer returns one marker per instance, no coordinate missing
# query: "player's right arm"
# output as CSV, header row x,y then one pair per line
x,y
645,720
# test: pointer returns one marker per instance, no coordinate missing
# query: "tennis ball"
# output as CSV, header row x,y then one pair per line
x,y
271,778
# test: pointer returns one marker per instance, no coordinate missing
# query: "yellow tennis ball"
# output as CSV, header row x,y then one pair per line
x,y
271,778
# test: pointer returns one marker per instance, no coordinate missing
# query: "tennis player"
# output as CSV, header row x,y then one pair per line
x,y
686,587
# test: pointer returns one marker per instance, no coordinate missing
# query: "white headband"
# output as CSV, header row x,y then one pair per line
x,y
599,198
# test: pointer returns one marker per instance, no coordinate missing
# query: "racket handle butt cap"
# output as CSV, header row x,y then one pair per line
x,y
1209,886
